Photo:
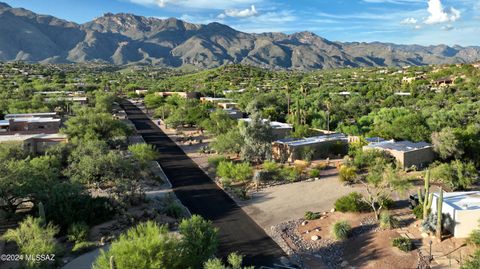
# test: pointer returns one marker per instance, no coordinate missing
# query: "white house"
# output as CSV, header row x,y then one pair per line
x,y
463,208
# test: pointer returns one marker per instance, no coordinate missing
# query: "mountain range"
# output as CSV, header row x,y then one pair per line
x,y
129,39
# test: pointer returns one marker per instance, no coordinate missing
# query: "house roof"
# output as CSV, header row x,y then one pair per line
x,y
273,124
312,140
36,119
402,146
31,115
20,137
469,200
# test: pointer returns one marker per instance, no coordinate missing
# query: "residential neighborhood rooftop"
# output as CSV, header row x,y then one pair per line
x,y
403,146
273,124
312,140
31,115
20,137
469,200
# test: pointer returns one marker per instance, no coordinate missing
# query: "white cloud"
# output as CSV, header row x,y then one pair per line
x,y
439,14
409,21
240,13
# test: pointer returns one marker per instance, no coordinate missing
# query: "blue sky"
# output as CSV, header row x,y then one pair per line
x,y
422,22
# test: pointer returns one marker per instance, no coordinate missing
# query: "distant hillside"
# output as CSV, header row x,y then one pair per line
x,y
128,39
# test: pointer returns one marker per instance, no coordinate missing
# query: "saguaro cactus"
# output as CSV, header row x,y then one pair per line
x,y
41,213
438,230
426,198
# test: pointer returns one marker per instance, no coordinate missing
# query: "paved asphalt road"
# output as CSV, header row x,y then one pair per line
x,y
238,232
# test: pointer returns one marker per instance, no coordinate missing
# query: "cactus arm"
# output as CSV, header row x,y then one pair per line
x,y
112,263
439,215
41,214
420,197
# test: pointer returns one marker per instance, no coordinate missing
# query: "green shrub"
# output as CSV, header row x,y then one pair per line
x,y
216,160
418,212
347,173
309,215
149,245
78,232
472,262
351,203
271,171
290,174
386,203
174,210
402,243
387,221
341,230
236,172
34,239
271,166
474,238
314,173
67,204
82,247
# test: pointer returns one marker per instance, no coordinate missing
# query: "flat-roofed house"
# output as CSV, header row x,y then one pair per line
x,y
279,129
464,210
227,105
407,153
186,95
215,100
32,115
322,146
27,124
35,143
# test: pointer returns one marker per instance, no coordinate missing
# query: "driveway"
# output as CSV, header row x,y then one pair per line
x,y
282,203
238,232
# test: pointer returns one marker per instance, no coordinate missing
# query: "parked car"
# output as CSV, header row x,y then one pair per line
x,y
413,199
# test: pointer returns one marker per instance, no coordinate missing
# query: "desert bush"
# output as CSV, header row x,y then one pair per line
x,y
174,210
322,165
341,230
314,172
418,212
386,202
430,224
474,238
309,215
149,245
402,243
290,174
388,221
347,173
472,262
34,239
351,203
82,247
271,171
78,232
214,161
236,172
66,204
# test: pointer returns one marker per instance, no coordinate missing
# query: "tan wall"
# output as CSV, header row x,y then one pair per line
x,y
465,222
34,126
419,158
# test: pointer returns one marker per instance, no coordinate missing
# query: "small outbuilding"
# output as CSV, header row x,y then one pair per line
x,y
318,147
463,209
407,153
